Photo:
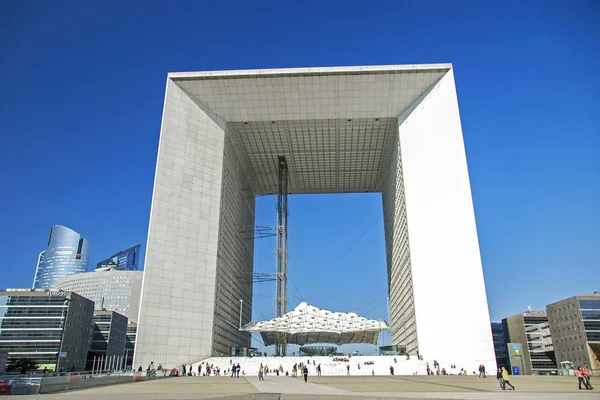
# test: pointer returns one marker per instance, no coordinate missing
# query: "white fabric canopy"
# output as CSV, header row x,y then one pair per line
x,y
307,324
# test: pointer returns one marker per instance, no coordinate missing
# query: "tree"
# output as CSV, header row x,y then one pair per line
x,y
21,364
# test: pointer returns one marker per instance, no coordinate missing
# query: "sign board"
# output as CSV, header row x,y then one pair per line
x,y
56,293
517,350
63,354
516,371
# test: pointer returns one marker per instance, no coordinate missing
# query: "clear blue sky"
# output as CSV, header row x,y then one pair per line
x,y
81,101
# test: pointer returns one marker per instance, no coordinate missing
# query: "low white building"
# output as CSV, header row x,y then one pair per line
x,y
112,290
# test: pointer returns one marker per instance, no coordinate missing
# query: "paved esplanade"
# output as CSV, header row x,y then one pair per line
x,y
367,387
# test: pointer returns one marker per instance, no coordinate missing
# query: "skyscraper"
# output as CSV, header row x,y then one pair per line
x,y
127,260
67,254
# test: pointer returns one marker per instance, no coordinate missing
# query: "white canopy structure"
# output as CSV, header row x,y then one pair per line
x,y
307,324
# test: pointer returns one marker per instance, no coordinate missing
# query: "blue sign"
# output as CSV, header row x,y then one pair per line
x,y
63,354
516,371
517,350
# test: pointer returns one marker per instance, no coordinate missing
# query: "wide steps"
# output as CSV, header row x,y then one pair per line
x,y
359,365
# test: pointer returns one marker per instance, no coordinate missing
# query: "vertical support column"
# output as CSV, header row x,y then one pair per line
x,y
281,251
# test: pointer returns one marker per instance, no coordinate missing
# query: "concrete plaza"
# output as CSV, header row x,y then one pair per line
x,y
339,387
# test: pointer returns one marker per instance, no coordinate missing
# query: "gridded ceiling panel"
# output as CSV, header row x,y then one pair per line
x,y
324,156
336,126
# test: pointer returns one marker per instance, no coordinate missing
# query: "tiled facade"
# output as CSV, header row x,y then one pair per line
x,y
112,290
177,309
575,327
393,129
402,305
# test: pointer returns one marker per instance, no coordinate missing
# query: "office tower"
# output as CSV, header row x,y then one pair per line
x,y
126,260
67,253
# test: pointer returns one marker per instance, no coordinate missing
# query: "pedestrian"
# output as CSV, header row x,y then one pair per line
x,y
305,373
260,373
319,369
587,374
506,378
581,378
483,368
237,370
348,369
500,379
391,370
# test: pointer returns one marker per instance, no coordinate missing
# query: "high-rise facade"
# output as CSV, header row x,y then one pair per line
x,y
51,327
67,253
112,290
500,343
127,260
532,331
107,342
393,130
575,327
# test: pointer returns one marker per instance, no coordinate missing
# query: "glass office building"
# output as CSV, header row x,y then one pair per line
x,y
67,254
50,327
500,345
127,260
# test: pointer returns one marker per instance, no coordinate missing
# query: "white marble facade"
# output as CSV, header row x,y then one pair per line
x,y
389,129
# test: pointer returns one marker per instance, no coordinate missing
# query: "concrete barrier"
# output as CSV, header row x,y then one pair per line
x,y
71,382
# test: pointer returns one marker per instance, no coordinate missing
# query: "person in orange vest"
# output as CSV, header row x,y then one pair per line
x,y
586,376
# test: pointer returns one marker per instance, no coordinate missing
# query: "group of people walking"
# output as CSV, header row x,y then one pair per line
x,y
482,373
303,368
583,376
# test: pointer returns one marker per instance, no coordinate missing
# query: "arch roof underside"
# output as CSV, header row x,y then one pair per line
x,y
337,127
